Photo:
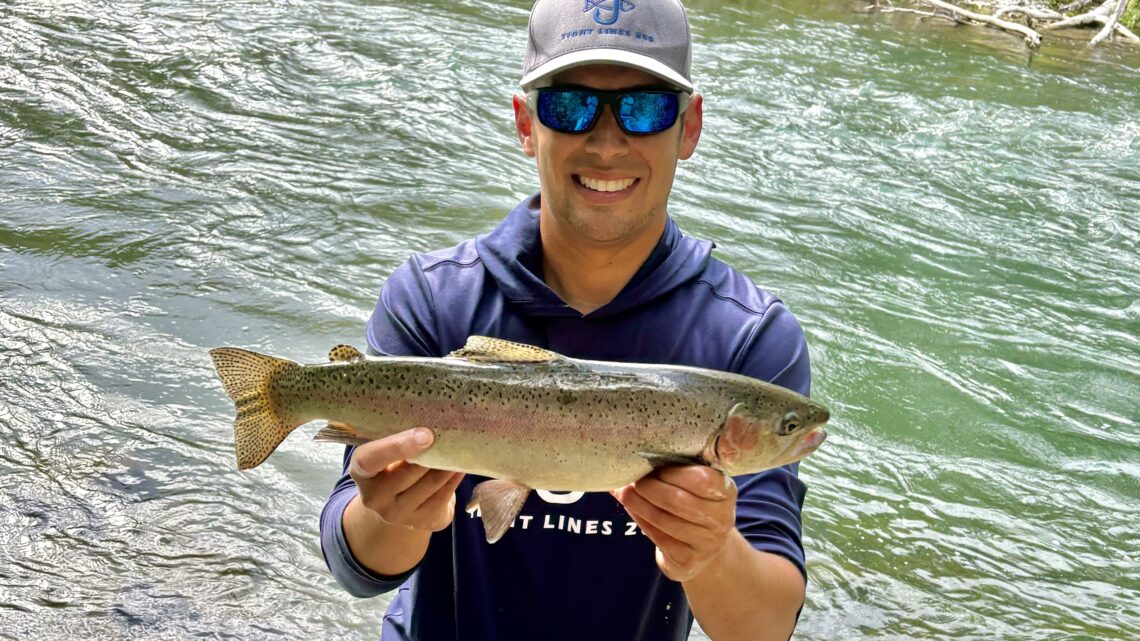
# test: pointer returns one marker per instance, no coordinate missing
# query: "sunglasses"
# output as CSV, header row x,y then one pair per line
x,y
571,109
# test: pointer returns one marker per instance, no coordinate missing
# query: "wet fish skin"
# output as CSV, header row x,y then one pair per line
x,y
524,416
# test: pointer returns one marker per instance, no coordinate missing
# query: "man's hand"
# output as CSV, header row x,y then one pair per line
x,y
403,493
689,512
735,591
388,525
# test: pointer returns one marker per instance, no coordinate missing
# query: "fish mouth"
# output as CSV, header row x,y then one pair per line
x,y
795,451
806,445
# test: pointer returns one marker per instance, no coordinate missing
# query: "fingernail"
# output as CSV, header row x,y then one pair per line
x,y
423,436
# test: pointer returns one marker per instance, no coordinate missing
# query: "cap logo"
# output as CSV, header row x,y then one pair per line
x,y
616,7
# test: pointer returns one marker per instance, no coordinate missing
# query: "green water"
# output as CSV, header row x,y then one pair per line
x,y
954,220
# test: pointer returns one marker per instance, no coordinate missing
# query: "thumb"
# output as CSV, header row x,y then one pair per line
x,y
373,457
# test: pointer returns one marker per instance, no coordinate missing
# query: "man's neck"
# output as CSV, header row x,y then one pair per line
x,y
587,276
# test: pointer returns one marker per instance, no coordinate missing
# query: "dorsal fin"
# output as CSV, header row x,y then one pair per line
x,y
345,353
486,349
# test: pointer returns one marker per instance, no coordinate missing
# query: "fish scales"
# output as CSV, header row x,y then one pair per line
x,y
499,421
523,416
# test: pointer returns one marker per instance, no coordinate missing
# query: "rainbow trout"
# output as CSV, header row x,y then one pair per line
x,y
524,416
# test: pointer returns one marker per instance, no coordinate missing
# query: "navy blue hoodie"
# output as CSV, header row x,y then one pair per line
x,y
573,566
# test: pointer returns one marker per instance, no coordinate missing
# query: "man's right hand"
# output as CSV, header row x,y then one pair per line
x,y
400,503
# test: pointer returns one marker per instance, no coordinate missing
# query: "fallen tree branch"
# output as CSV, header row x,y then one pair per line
x,y
1032,38
1036,14
1100,14
1108,26
1037,18
1127,33
1107,14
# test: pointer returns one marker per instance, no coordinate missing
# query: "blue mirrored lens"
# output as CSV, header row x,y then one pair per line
x,y
571,110
568,111
647,112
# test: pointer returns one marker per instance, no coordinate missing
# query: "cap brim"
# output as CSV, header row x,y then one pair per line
x,y
609,57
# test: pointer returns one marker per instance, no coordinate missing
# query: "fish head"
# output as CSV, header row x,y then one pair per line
x,y
767,434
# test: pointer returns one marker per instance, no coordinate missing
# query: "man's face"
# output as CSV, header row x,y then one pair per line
x,y
604,186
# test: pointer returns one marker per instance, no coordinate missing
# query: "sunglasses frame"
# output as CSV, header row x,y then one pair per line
x,y
612,97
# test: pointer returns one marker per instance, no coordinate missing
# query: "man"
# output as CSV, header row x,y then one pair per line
x,y
590,267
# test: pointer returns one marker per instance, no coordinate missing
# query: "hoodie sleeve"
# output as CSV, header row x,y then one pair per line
x,y
401,325
404,321
776,351
769,503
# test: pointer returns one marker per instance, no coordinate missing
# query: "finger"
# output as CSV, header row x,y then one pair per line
x,y
439,509
684,504
665,522
655,535
701,480
672,568
373,457
394,479
673,556
403,508
411,498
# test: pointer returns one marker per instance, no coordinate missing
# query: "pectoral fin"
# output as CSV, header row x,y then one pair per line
x,y
486,349
661,459
339,433
499,502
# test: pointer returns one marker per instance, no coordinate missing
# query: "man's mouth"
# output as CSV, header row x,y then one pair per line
x,y
605,185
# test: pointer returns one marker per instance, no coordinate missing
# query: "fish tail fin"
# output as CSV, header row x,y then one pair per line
x,y
260,425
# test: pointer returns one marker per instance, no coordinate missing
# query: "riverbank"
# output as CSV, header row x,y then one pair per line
x,y
1113,20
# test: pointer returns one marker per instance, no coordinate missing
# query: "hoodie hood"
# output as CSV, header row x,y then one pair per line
x,y
512,255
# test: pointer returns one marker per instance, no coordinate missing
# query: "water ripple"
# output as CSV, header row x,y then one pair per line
x,y
952,219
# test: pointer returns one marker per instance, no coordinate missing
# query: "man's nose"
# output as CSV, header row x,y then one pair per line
x,y
606,139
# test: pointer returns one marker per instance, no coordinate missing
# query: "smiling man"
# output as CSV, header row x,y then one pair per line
x,y
591,266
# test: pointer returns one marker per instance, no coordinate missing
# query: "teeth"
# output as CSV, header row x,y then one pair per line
x,y
606,185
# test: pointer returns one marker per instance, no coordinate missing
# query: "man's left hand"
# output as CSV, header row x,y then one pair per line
x,y
687,511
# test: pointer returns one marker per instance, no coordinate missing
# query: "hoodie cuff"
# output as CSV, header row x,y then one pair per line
x,y
358,580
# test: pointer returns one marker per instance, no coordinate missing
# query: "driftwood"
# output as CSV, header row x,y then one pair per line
x,y
1127,33
1032,38
1030,12
1120,6
1107,14
1100,14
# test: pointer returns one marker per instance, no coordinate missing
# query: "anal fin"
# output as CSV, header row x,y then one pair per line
x,y
342,433
499,502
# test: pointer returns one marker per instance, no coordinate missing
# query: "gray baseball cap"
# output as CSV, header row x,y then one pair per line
x,y
651,35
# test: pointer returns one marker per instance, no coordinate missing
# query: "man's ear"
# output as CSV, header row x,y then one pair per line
x,y
524,124
694,119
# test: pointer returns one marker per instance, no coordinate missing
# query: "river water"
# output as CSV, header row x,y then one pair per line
x,y
954,221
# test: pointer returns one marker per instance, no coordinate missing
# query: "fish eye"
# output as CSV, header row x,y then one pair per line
x,y
790,423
